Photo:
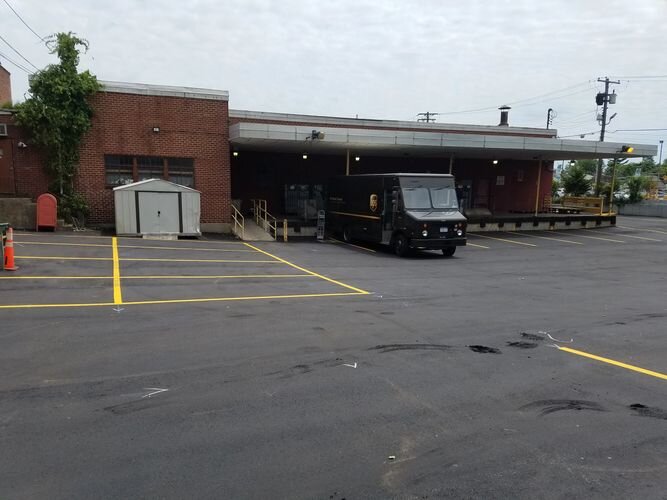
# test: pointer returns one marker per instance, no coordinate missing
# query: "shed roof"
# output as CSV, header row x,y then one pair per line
x,y
159,185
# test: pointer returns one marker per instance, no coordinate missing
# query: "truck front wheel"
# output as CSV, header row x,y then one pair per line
x,y
449,251
400,245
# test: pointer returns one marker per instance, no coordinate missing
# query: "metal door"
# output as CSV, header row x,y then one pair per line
x,y
158,212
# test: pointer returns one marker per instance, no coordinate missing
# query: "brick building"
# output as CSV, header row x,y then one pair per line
x,y
190,136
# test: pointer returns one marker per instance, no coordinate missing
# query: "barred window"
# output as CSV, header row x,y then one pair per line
x,y
150,167
120,170
181,171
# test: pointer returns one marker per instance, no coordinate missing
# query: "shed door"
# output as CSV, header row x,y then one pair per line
x,y
158,213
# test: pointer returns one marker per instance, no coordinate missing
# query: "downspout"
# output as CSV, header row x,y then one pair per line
x,y
539,180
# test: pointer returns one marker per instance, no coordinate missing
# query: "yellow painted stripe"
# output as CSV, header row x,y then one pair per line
x,y
352,245
468,244
200,260
183,301
358,290
63,235
643,229
56,277
60,257
502,239
63,244
590,237
224,276
359,216
146,247
614,362
549,238
117,294
166,276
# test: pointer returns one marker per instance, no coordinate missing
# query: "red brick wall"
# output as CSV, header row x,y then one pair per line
x,y
189,128
21,168
5,86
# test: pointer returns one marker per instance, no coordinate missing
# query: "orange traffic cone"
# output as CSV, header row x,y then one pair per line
x,y
9,251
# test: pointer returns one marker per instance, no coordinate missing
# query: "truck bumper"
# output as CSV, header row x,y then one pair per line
x,y
436,244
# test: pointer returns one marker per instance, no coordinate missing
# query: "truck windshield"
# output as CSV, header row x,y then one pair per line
x,y
425,198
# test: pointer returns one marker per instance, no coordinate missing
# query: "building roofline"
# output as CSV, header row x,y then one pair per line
x,y
164,90
388,124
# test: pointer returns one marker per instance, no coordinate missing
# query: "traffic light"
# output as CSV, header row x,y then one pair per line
x,y
599,98
627,149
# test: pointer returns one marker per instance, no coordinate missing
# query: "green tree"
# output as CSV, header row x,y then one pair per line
x,y
636,185
57,113
574,180
588,166
555,186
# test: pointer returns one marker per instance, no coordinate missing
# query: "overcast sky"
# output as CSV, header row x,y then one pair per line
x,y
376,59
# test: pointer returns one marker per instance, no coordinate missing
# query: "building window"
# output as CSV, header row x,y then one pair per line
x,y
120,170
181,171
150,167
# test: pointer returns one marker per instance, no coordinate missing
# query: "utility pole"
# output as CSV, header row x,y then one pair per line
x,y
551,114
427,117
660,157
603,99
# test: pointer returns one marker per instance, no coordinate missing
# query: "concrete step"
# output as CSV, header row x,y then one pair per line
x,y
253,232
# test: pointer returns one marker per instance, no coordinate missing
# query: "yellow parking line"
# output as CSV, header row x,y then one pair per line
x,y
200,260
117,294
145,247
223,276
56,277
468,244
358,290
614,362
502,239
63,235
60,258
590,237
62,244
643,229
183,301
352,245
166,276
548,238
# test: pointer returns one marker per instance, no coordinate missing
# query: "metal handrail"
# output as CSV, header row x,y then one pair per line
x,y
239,221
264,219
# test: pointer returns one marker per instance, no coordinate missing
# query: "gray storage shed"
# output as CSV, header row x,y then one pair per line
x,y
156,206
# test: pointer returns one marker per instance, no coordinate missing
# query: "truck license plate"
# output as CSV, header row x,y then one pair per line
x,y
443,229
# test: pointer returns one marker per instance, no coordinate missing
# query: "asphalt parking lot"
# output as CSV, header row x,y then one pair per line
x,y
529,365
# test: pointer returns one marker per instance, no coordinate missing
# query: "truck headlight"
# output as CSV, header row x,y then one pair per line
x,y
459,232
424,233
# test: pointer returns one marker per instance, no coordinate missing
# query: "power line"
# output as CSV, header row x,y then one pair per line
x,y
21,55
490,108
19,66
26,24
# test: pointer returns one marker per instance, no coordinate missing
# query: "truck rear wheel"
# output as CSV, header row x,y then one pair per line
x,y
449,251
400,245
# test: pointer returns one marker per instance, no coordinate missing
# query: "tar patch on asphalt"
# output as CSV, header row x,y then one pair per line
x,y
482,349
647,411
548,406
532,336
410,347
523,345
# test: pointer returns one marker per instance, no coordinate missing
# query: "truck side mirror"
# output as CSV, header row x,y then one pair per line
x,y
394,201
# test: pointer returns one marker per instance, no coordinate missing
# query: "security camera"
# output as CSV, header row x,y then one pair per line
x,y
22,144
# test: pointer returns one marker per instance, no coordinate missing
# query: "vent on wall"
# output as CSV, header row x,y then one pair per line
x,y
3,129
